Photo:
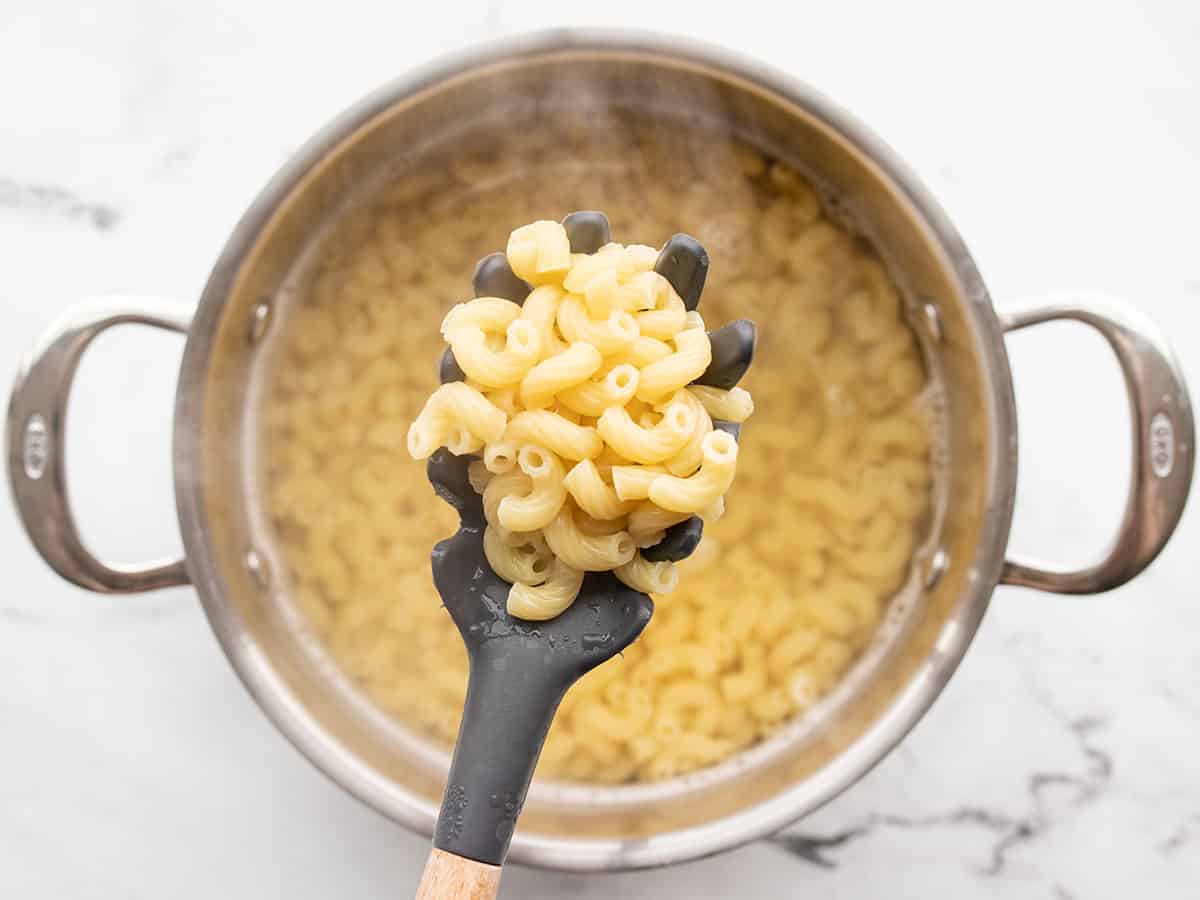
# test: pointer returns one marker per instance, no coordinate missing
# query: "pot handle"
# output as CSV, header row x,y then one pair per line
x,y
36,418
1163,446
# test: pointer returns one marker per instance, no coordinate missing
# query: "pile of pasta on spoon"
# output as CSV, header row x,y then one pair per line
x,y
580,404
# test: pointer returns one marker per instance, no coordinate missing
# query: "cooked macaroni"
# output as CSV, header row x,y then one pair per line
x,y
697,492
690,358
733,406
579,515
786,588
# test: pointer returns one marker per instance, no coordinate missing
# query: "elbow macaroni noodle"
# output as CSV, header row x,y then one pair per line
x,y
591,398
579,515
647,443
592,493
734,405
555,432
491,366
559,373
784,591
698,492
664,376
537,507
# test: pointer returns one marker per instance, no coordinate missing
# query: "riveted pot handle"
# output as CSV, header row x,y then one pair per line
x,y
1163,446
36,420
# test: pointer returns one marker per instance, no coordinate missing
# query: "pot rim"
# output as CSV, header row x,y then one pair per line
x,y
270,690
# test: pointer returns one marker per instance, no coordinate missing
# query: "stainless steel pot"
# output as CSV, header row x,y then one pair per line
x,y
763,790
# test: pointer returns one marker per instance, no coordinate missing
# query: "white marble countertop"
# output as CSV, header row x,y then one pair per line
x,y
1062,137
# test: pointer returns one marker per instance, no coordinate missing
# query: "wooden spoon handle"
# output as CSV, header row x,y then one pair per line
x,y
450,877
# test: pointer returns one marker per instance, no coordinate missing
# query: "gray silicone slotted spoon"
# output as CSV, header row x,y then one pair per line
x,y
519,671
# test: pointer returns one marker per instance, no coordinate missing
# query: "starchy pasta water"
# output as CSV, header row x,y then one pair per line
x,y
833,483
552,513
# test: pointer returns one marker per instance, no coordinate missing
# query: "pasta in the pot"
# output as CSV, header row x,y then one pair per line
x,y
788,586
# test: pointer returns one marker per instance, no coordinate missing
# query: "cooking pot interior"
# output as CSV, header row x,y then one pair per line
x,y
574,129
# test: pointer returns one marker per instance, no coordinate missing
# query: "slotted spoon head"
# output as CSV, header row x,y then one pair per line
x,y
519,673
519,670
